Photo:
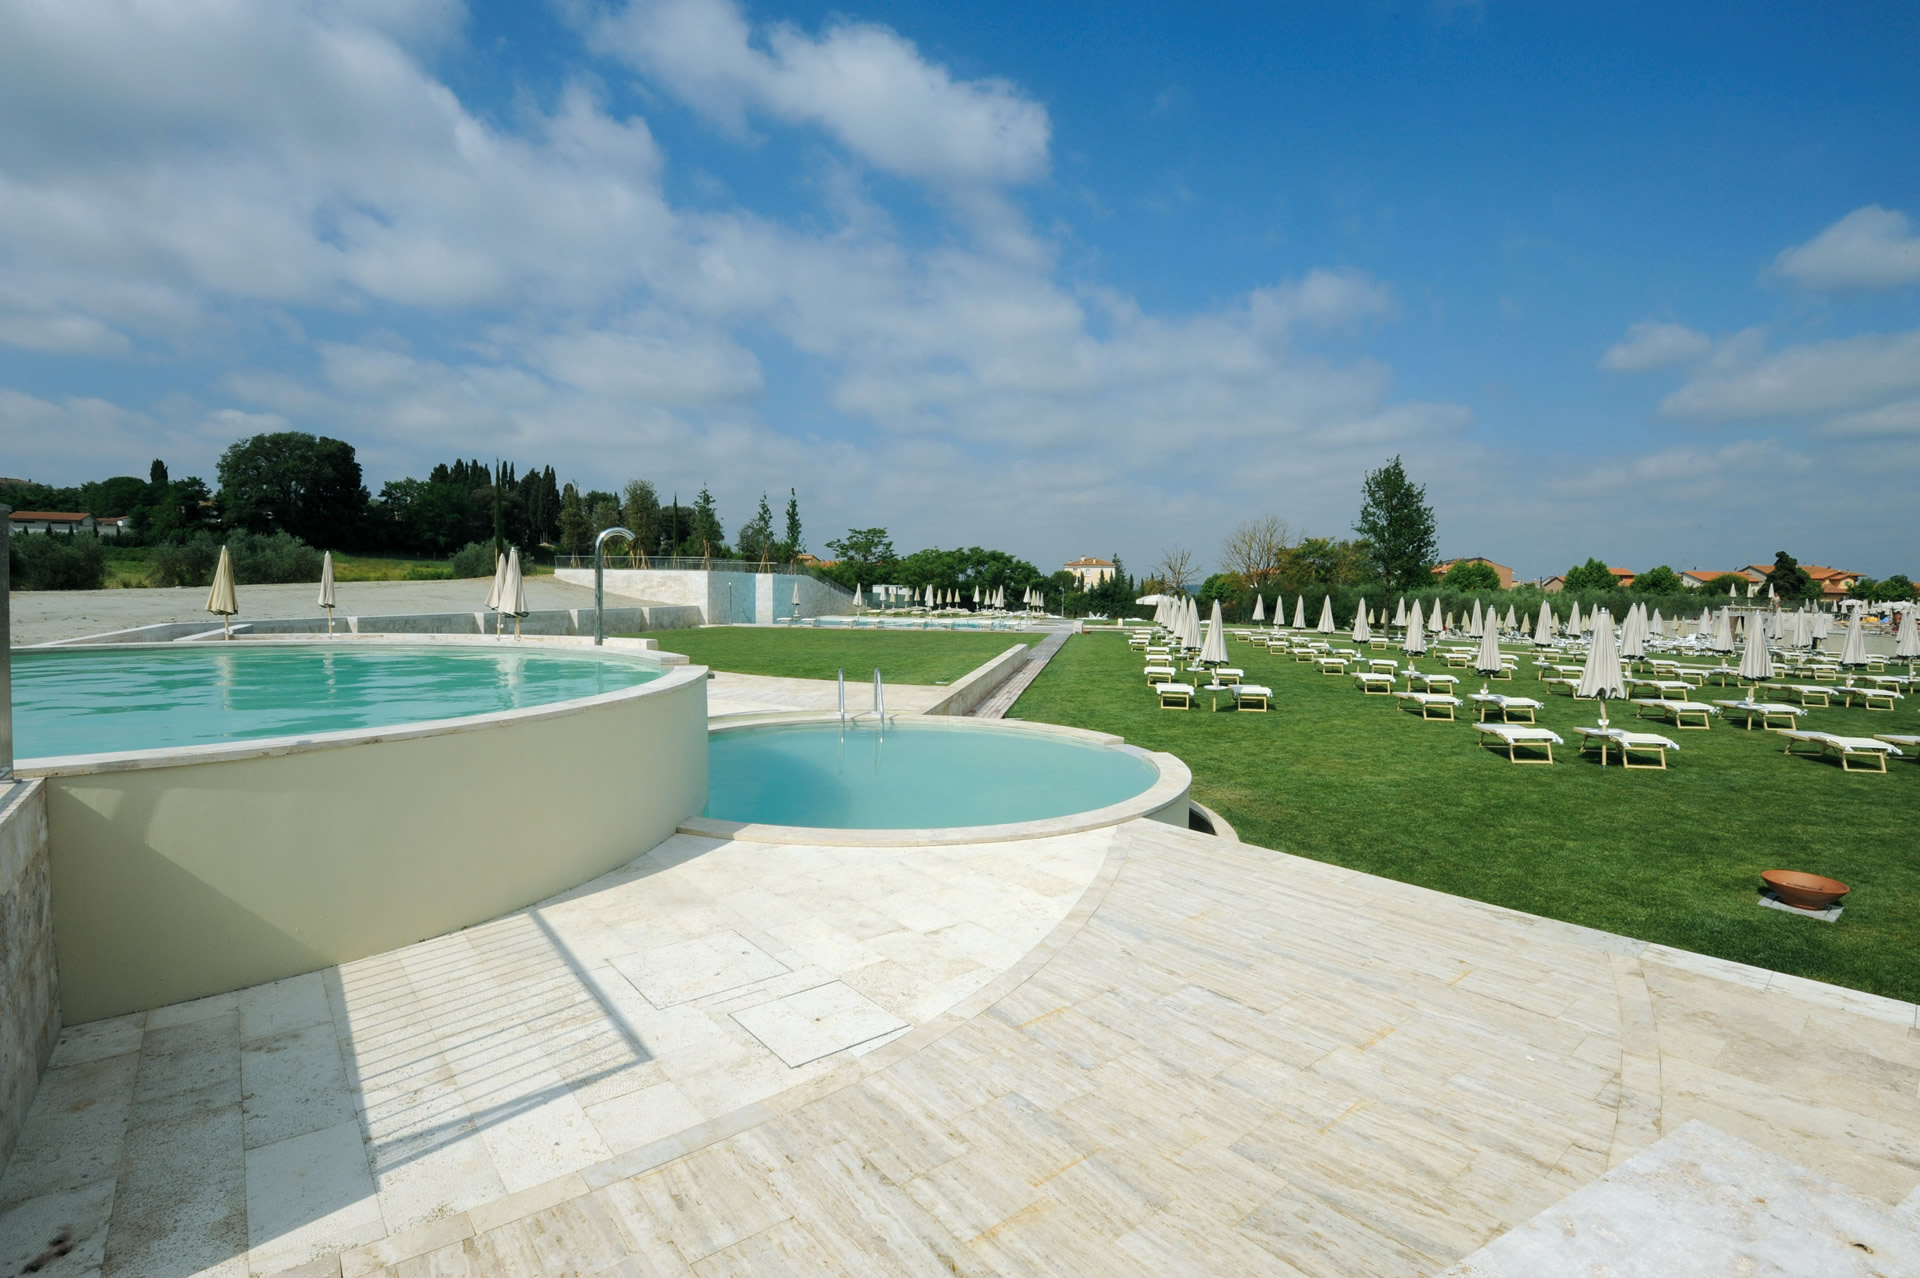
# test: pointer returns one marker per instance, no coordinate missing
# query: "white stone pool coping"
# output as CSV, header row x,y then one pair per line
x,y
675,671
1165,800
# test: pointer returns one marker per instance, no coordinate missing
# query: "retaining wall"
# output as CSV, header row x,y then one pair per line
x,y
29,975
722,596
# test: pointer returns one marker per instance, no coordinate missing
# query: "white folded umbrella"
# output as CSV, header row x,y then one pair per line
x,y
1400,613
1487,661
1213,652
1906,644
1478,622
1433,622
1602,676
1543,629
1259,608
1722,640
1854,651
1361,631
1573,619
1326,615
326,587
513,596
1511,623
1415,642
1755,662
221,600
1300,613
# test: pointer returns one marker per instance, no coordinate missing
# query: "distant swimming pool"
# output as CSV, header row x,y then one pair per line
x,y
918,774
92,701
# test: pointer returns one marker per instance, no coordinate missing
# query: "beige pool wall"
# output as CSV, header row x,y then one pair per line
x,y
180,874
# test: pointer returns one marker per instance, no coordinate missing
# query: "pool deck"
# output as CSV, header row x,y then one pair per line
x,y
1132,1050
729,694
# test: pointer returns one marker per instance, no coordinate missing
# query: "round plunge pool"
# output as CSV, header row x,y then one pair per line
x,y
932,774
80,701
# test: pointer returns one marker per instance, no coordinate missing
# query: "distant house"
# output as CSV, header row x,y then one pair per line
x,y
1505,573
1623,577
1834,583
50,521
1090,572
113,525
1554,584
1694,578
806,560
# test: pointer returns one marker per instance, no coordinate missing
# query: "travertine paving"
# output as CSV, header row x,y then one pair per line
x,y
730,694
254,1131
1223,1059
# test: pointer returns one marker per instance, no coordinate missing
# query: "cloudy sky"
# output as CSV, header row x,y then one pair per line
x,y
1641,283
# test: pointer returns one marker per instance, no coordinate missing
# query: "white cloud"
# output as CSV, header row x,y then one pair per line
x,y
1902,417
864,84
1871,247
1812,380
1655,344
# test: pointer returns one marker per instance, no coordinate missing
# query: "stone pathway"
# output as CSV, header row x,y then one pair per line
x,y
996,706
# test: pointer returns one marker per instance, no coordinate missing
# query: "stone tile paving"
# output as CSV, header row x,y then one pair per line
x,y
252,1132
1221,1059
1197,1074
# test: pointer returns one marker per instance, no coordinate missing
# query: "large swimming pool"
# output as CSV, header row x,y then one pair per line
x,y
93,701
914,775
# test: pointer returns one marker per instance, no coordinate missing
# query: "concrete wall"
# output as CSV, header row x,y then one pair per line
x,y
723,596
217,868
982,682
29,976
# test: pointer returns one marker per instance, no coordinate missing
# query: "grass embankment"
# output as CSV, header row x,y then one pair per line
x,y
928,657
1673,857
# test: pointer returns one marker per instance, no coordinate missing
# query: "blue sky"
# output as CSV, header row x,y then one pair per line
x,y
1614,280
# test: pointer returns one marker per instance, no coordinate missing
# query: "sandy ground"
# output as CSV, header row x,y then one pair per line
x,y
40,616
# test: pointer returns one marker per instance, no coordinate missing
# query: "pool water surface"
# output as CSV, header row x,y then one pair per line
x,y
73,701
915,775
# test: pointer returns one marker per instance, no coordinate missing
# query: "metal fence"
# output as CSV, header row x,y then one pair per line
x,y
690,563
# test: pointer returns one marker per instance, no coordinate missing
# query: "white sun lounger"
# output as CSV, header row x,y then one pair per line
x,y
1514,737
1160,674
1507,706
1681,712
1251,696
1571,686
1627,744
1175,696
1375,683
1428,681
1383,663
1810,694
1875,698
1765,711
1333,665
1229,674
1430,703
1895,739
1846,749
1672,689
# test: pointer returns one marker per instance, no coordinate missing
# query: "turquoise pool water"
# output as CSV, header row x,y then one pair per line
x,y
73,702
913,776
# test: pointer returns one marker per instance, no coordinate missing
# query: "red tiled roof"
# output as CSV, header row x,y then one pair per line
x,y
44,516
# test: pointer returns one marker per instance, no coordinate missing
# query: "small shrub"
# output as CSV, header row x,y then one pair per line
x,y
475,559
257,560
56,561
424,572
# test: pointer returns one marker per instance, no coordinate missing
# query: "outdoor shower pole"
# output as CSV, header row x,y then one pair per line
x,y
599,581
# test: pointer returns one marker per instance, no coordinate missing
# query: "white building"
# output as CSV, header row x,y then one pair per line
x,y
1090,572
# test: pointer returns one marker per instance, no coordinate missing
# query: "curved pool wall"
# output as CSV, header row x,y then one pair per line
x,y
1166,800
183,873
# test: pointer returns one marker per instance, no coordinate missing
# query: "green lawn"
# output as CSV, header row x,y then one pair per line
x,y
932,656
1673,857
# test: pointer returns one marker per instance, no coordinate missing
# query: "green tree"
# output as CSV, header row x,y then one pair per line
x,y
793,543
1896,587
708,537
42,561
574,533
1658,581
290,481
1593,575
1397,525
1227,587
641,514
1789,580
1470,574
755,539
864,554
1725,581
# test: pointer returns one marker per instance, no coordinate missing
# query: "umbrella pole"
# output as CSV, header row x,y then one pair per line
x,y
226,626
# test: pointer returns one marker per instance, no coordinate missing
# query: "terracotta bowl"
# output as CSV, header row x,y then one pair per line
x,y
1804,891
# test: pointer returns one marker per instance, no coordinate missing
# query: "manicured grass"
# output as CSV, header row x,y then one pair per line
x,y
1673,857
930,657
128,566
